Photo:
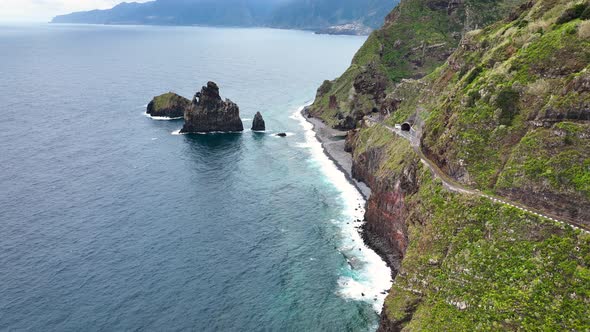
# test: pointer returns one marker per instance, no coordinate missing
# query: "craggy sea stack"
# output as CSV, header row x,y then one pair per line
x,y
169,105
258,123
209,113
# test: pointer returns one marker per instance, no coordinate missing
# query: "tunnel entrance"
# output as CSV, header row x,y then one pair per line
x,y
406,126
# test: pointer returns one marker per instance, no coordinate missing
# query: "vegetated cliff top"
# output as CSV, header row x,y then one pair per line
x,y
168,99
417,37
298,14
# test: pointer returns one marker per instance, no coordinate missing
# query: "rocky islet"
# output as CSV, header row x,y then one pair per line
x,y
169,105
206,113
209,113
258,123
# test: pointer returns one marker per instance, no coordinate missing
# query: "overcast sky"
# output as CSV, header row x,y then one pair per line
x,y
44,10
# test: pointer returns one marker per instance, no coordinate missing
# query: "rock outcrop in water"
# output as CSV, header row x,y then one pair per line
x,y
209,113
168,105
258,123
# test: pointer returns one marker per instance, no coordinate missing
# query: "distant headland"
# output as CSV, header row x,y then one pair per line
x,y
353,17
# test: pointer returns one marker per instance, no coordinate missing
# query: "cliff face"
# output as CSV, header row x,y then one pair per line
x,y
387,208
506,113
209,113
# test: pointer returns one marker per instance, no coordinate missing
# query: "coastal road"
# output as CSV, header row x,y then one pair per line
x,y
452,185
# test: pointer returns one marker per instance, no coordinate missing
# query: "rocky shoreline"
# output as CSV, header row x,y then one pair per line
x,y
333,141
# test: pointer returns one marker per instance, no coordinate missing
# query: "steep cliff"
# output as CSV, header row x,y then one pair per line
x,y
506,115
387,208
417,37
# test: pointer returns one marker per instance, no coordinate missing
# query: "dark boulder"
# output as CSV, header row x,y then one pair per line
x,y
258,123
209,113
168,105
282,134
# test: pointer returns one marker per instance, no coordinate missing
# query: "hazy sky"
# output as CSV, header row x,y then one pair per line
x,y
44,10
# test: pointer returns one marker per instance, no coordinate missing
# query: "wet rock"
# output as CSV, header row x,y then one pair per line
x,y
209,113
258,123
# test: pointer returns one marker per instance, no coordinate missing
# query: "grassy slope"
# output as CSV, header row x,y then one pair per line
x,y
503,113
168,100
417,37
476,265
472,264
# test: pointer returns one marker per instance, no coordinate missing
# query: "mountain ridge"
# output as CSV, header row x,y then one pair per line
x,y
291,14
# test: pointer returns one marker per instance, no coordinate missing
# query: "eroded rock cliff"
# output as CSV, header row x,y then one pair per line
x,y
387,209
209,113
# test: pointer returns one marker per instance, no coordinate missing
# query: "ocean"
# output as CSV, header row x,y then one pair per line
x,y
111,222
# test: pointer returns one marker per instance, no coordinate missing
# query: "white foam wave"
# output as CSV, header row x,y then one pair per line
x,y
246,119
161,118
367,276
177,133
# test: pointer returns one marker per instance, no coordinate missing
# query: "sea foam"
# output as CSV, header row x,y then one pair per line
x,y
177,133
160,118
367,275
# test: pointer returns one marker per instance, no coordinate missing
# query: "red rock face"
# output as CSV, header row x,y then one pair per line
x,y
386,213
388,208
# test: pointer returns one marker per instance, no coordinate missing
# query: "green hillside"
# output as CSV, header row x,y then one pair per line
x,y
503,108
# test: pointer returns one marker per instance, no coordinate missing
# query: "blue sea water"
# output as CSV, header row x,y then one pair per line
x,y
110,222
